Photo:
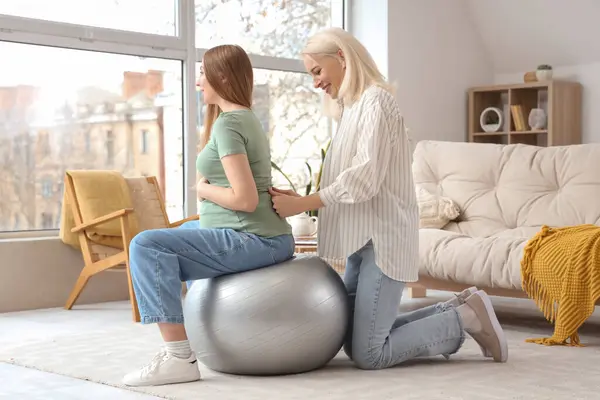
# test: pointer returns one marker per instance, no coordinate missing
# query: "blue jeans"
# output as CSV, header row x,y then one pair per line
x,y
380,338
161,259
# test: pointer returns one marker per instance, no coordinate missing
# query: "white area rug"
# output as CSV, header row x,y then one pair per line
x,y
532,372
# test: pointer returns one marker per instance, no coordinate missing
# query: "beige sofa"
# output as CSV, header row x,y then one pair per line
x,y
504,194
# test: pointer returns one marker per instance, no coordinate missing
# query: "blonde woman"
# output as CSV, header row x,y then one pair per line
x,y
238,231
369,215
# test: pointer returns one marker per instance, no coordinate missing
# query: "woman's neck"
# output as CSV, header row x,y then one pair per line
x,y
226,106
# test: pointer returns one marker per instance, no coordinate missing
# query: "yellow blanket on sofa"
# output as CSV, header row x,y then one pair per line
x,y
98,193
560,271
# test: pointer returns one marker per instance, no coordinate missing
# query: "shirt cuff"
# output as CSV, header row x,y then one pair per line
x,y
328,195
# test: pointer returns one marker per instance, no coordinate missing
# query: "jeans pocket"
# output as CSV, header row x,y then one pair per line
x,y
230,242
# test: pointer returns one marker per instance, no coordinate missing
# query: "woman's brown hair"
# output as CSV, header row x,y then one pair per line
x,y
228,70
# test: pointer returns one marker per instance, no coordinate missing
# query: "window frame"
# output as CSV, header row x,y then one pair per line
x,y
180,47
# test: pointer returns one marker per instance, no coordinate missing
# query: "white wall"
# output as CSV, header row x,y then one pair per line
x,y
369,23
434,54
589,76
40,273
520,34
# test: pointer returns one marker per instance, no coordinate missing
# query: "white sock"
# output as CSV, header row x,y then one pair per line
x,y
469,318
179,349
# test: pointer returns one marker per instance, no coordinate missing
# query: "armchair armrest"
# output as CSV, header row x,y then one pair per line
x,y
180,222
102,219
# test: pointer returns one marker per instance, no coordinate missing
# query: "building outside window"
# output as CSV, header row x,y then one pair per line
x,y
144,139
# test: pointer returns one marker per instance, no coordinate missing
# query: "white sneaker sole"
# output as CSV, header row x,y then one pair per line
x,y
498,331
166,381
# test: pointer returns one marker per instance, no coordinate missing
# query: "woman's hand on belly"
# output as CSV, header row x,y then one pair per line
x,y
200,188
274,191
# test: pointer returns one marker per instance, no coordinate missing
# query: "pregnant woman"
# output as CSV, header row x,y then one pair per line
x,y
238,229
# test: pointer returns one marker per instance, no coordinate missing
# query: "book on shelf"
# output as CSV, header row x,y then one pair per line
x,y
518,118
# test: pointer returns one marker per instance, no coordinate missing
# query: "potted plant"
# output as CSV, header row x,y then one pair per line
x,y
310,185
543,72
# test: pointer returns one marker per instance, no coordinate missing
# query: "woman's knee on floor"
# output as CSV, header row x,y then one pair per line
x,y
367,359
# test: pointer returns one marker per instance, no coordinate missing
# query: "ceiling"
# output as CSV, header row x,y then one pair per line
x,y
521,34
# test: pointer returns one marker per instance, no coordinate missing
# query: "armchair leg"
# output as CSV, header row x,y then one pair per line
x,y
127,236
134,305
82,280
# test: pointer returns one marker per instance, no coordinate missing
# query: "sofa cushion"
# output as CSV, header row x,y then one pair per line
x,y
492,261
506,187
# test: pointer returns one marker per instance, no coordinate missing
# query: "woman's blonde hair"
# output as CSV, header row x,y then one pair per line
x,y
361,69
228,70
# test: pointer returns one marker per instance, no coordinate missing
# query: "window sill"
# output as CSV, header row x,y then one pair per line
x,y
29,235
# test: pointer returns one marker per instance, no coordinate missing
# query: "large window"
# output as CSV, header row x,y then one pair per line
x,y
110,84
83,110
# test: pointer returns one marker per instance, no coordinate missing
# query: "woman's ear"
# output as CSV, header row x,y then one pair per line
x,y
340,53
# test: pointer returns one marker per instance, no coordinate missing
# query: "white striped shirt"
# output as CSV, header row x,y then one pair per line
x,y
368,188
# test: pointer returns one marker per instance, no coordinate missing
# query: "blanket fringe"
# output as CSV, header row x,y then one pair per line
x,y
573,341
579,247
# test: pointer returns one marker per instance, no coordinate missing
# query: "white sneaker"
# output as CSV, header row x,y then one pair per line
x,y
165,369
488,334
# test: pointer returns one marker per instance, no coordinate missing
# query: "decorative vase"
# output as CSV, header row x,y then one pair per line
x,y
491,119
537,119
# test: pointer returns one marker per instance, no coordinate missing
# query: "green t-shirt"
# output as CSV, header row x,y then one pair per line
x,y
240,132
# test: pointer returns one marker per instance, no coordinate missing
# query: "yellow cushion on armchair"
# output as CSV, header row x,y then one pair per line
x,y
98,193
